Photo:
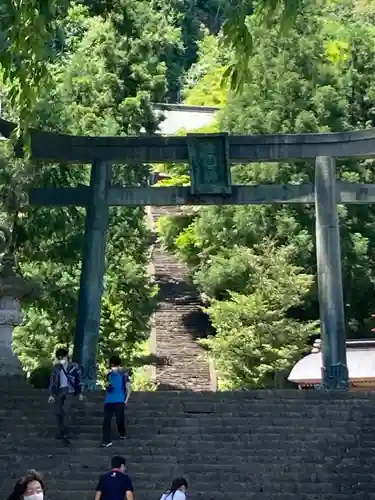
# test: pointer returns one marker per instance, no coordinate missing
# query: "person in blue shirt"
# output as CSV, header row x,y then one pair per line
x,y
117,395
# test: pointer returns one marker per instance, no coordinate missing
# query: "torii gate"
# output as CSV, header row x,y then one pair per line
x,y
210,156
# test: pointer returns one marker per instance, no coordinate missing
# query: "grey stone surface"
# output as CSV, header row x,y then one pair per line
x,y
182,362
157,149
13,288
284,445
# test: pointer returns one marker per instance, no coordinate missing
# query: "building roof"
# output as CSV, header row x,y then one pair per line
x,y
182,116
185,107
360,356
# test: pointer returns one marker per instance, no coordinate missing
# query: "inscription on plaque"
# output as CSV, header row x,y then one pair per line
x,y
209,164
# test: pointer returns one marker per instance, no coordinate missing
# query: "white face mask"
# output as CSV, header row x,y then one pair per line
x,y
115,368
62,361
35,496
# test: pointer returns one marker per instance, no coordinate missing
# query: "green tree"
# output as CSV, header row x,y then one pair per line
x,y
204,85
25,59
255,338
29,31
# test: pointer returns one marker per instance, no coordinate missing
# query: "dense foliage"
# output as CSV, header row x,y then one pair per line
x,y
32,34
318,78
255,339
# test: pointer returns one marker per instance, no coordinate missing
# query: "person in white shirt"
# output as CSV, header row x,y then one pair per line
x,y
177,491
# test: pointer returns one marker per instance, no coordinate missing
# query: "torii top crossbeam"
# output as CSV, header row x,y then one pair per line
x,y
157,149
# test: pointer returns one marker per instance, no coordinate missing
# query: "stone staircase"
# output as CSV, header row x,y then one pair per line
x,y
182,363
286,445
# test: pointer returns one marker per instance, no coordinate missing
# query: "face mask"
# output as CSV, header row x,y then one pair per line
x,y
35,496
62,361
115,368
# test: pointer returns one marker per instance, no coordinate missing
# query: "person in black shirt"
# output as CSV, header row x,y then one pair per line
x,y
115,484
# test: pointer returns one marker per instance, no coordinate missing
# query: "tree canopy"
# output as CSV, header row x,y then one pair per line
x,y
317,78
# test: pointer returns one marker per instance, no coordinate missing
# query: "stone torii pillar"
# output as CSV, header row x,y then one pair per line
x,y
331,301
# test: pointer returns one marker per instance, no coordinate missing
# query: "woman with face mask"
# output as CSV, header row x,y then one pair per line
x,y
177,491
29,487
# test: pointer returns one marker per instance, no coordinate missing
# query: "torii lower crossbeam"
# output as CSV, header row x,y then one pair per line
x,y
258,194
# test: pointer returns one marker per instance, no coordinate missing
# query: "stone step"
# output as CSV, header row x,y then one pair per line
x,y
172,336
271,397
202,410
167,441
201,428
23,391
302,462
205,415
199,439
181,397
228,402
141,432
168,310
187,412
171,306
236,488
194,359
258,462
220,495
280,473
293,486
89,484
190,409
240,484
203,483
135,453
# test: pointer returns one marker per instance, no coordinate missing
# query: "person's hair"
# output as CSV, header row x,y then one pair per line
x,y
115,361
176,485
62,352
117,461
21,485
